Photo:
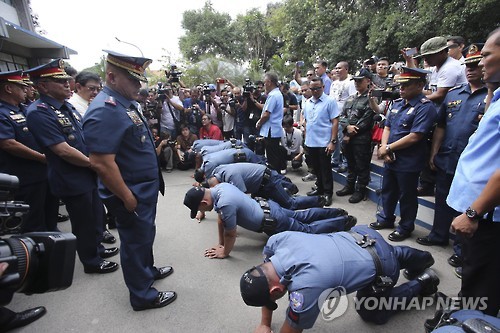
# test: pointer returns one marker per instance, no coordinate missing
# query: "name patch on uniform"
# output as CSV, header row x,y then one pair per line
x,y
135,117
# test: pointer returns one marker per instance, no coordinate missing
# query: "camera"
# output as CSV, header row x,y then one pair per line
x,y
38,261
11,212
162,92
173,75
206,89
248,88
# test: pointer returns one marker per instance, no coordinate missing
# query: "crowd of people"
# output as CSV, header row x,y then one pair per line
x,y
100,147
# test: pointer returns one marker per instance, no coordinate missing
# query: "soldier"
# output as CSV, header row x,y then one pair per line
x,y
236,208
56,125
357,120
403,150
123,153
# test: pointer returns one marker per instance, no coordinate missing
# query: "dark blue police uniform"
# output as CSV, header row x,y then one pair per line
x,y
259,180
308,274
51,123
459,115
401,176
113,125
33,184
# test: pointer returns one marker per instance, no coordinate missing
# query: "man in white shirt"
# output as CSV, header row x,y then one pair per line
x,y
87,85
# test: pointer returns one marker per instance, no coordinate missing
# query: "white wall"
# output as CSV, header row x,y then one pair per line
x,y
9,13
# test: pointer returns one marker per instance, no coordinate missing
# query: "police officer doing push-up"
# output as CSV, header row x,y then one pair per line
x,y
236,208
123,153
359,260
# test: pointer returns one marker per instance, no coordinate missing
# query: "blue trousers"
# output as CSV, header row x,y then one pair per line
x,y
275,191
137,234
312,220
402,187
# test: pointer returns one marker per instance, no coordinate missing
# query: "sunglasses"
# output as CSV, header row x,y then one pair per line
x,y
315,88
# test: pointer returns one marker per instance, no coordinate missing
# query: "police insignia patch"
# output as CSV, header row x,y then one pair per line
x,y
296,301
110,100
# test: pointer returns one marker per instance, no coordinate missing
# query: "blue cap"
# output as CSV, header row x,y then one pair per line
x,y
211,86
135,66
54,69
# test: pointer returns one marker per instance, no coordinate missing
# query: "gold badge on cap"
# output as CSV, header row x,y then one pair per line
x,y
473,49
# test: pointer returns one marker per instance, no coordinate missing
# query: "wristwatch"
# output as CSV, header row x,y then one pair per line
x,y
472,214
334,141
388,147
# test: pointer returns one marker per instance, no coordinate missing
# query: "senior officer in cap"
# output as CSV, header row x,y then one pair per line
x,y
56,125
122,151
458,118
20,155
236,208
359,260
403,149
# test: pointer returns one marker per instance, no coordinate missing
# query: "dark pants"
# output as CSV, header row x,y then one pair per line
x,y
443,214
358,164
321,164
86,213
393,258
312,220
137,234
42,215
481,267
402,187
274,154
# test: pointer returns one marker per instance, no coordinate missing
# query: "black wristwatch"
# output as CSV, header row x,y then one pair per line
x,y
472,214
334,141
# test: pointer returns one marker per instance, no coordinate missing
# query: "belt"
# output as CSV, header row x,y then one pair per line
x,y
382,281
268,224
266,177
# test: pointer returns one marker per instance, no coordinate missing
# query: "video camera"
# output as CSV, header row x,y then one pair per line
x,y
162,92
173,75
38,261
390,93
206,89
248,88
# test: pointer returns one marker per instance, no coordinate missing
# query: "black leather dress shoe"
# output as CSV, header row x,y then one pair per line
x,y
350,222
313,193
164,298
108,238
163,272
455,261
396,236
411,275
379,225
328,200
429,282
428,242
24,318
103,268
112,251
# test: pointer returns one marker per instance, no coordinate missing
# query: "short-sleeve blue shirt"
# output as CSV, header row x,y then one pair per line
x,y
247,177
274,105
319,114
236,208
226,156
113,126
414,116
52,122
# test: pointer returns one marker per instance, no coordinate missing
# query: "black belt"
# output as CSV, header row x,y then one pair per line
x,y
268,224
266,177
382,281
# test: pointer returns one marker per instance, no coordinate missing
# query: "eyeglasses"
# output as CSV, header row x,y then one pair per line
x,y
310,74
93,88
204,119
315,88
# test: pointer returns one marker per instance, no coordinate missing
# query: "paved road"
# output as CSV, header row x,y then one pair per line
x,y
208,290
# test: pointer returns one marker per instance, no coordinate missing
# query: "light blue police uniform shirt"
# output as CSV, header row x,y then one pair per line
x,y
247,177
319,114
478,162
309,264
274,105
236,208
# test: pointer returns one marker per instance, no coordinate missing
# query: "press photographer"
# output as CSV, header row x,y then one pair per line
x,y
194,109
228,110
252,105
212,102
172,111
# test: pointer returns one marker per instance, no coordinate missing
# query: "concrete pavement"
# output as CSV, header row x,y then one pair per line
x,y
208,290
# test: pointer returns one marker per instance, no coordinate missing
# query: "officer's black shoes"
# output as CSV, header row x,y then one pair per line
x,y
313,193
107,237
163,272
411,275
458,272
397,236
429,242
358,196
108,253
321,201
328,200
350,222
24,318
380,225
345,191
164,298
342,212
455,261
62,218
428,281
103,268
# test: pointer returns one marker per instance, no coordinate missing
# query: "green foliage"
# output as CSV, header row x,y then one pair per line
x,y
98,68
210,68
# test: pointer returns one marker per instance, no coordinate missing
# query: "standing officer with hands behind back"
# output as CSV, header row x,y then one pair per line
x,y
123,153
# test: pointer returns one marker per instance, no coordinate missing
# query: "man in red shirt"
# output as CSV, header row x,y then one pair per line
x,y
209,130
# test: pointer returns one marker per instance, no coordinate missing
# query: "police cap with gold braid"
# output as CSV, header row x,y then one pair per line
x,y
135,66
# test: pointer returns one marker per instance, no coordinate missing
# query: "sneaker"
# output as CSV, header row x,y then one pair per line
x,y
283,172
309,178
